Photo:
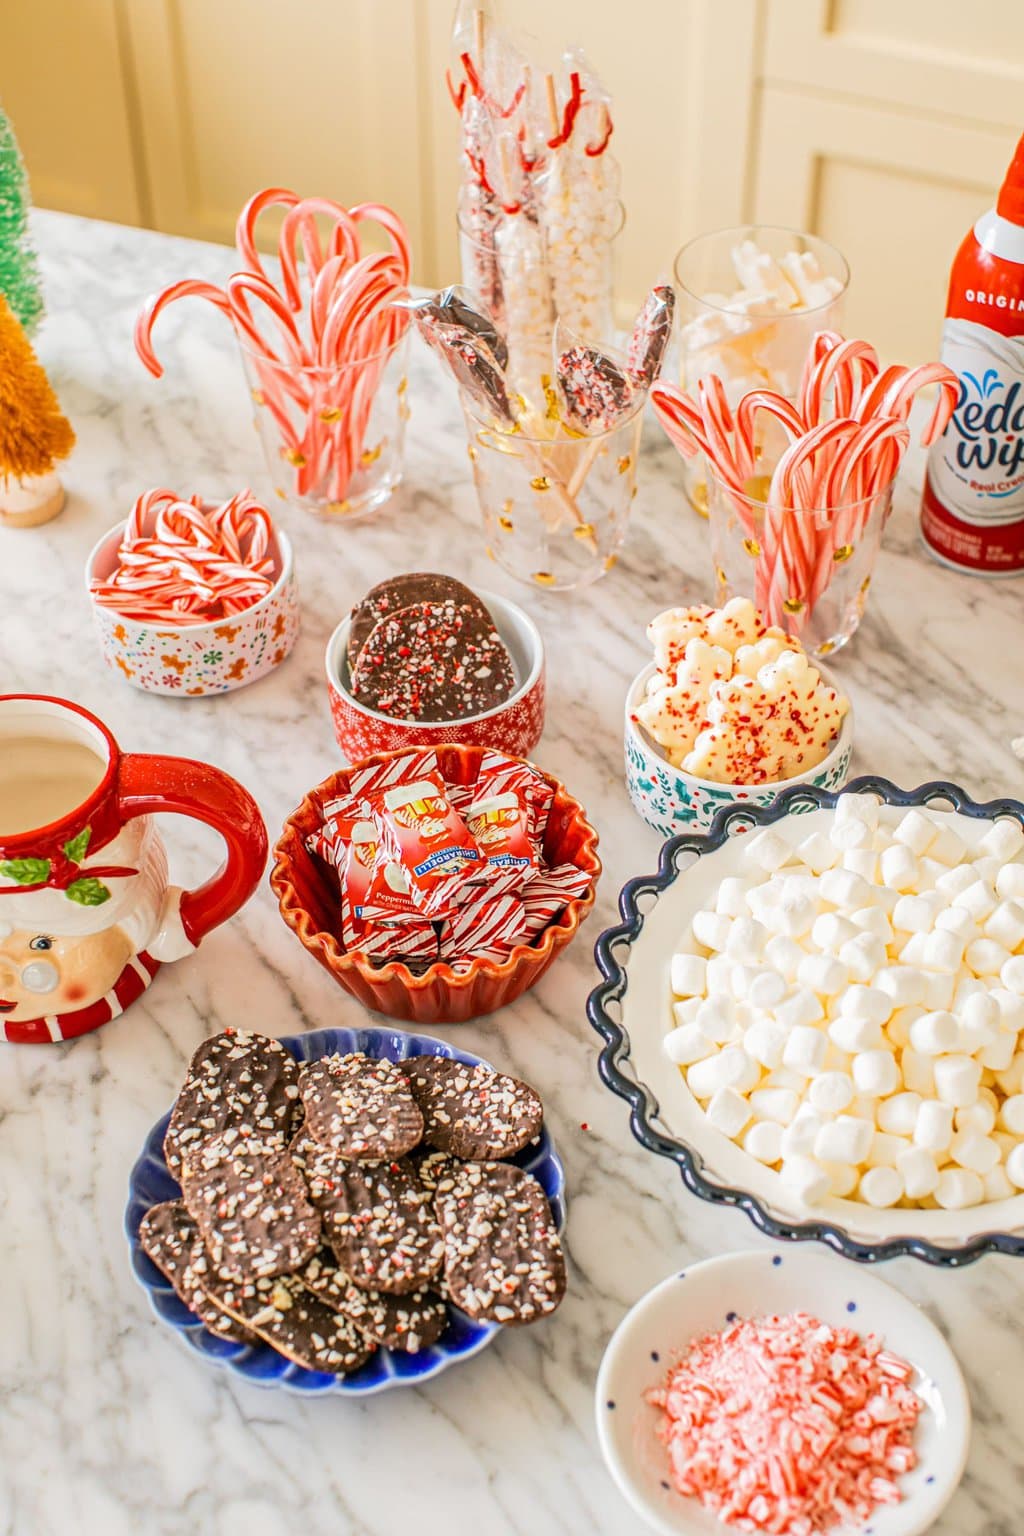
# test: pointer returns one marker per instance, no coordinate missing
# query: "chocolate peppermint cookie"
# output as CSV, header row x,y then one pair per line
x,y
170,1238
285,1315
407,1323
430,661
473,1112
503,1260
388,597
359,1107
251,1209
240,1083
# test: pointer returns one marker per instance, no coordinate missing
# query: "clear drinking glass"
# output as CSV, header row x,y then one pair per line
x,y
555,510
809,571
333,437
749,343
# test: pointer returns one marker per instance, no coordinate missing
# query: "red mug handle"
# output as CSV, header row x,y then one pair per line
x,y
148,783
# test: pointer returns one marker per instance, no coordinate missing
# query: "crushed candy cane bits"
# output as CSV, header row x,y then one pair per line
x,y
788,1425
734,700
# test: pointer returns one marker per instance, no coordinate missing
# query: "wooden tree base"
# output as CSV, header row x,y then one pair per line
x,y
20,510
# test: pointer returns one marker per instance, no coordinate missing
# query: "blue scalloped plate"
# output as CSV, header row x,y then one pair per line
x,y
152,1182
619,1071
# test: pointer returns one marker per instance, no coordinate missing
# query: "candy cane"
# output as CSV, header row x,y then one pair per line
x,y
245,228
899,399
188,288
300,225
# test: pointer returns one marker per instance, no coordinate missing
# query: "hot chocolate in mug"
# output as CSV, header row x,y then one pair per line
x,y
86,912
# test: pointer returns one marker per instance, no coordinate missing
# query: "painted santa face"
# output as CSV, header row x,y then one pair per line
x,y
45,973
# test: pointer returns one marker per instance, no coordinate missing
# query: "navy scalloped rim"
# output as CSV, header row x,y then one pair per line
x,y
616,1069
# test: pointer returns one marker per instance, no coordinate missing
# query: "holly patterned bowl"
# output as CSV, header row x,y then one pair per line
x,y
671,800
191,660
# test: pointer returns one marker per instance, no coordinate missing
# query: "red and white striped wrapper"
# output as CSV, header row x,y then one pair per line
x,y
485,928
500,773
547,893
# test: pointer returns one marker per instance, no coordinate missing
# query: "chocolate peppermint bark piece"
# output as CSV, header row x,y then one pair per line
x,y
359,1107
473,1112
252,1210
405,1323
170,1238
503,1260
377,1218
387,597
237,1082
285,1315
434,661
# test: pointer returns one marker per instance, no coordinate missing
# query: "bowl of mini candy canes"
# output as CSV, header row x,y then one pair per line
x,y
191,597
730,710
818,1019
782,1392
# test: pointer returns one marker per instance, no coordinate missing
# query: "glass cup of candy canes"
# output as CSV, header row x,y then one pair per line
x,y
555,508
807,568
333,436
748,301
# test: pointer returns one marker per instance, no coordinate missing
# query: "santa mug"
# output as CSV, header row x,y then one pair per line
x,y
86,912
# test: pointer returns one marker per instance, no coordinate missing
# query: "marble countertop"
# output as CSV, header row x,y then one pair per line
x,y
109,1424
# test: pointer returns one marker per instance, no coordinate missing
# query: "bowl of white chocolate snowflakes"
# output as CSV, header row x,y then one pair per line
x,y
730,709
818,1012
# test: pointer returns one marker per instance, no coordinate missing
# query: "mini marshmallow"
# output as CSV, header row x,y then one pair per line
x,y
979,1020
846,1139
869,1004
842,1178
784,1077
784,955
880,1187
848,835
957,879
1015,1166
863,956
740,978
899,869
905,984
999,1056
886,1149
779,1104
799,1136
686,1045
900,1024
729,1112
802,1007
712,929
967,986
934,1033
765,1042
912,949
918,1171
970,1149
854,807
959,921
805,1049
845,890
1010,882
918,1072
1004,840
957,1080
915,831
1011,1007
979,899
934,1128
862,862
853,1034
987,870
746,941
875,1073
719,975
930,869
793,916
940,986
1012,975
942,951
730,1067
958,1188
830,932
997,1185
805,1179
731,896
767,850
986,957
818,852
685,1012
874,921
917,914
689,975
831,1092
766,989
946,847
823,974
764,1141
1011,1114
1011,1077
897,1116
1006,925
980,1117
716,1018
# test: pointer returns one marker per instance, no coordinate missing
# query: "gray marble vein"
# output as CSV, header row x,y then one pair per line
x,y
111,1427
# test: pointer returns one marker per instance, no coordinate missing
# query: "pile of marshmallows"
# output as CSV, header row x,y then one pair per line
x,y
849,1009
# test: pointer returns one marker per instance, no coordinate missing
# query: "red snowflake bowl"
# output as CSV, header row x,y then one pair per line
x,y
307,893
514,727
184,661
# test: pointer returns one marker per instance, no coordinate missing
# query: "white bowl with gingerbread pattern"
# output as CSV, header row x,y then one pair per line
x,y
195,660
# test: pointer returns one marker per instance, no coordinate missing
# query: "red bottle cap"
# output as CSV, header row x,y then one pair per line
x,y
1011,194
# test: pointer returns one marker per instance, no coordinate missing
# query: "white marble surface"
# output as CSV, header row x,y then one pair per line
x,y
109,1424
